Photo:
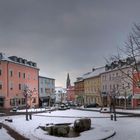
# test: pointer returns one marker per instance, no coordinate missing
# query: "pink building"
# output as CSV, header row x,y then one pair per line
x,y
71,93
15,75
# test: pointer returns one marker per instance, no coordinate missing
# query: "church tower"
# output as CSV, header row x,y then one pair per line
x,y
68,81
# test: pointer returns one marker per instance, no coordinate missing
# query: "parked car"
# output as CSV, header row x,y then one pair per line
x,y
62,107
14,109
72,105
105,110
67,106
91,105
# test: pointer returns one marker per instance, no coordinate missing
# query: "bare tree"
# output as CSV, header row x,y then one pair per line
x,y
128,56
130,53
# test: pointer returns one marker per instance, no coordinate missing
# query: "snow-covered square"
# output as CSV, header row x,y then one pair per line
x,y
101,124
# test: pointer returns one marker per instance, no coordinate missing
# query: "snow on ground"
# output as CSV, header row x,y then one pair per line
x,y
30,128
117,110
4,135
34,110
126,128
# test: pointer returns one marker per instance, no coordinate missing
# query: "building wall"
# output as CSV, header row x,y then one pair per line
x,y
79,92
13,96
60,94
136,90
116,82
46,86
71,93
92,90
46,89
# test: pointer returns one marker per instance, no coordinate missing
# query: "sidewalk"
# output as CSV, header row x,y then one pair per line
x,y
131,112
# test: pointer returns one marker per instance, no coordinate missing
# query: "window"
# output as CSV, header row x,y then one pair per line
x,y
109,76
105,87
34,100
113,86
0,72
23,101
11,73
11,86
113,76
1,102
105,77
117,86
110,87
41,90
0,86
19,74
24,75
12,103
45,90
128,85
19,86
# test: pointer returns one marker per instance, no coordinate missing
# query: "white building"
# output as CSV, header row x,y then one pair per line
x,y
46,91
60,94
115,81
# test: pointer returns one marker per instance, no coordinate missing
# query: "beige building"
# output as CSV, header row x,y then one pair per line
x,y
92,86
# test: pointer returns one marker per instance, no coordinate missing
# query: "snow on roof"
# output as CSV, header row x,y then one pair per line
x,y
60,90
4,57
95,72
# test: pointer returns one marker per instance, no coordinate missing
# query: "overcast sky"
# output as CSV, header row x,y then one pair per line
x,y
66,36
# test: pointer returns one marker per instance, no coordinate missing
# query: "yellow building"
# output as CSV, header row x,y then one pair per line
x,y
92,86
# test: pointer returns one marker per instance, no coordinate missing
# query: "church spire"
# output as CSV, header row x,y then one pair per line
x,y
68,81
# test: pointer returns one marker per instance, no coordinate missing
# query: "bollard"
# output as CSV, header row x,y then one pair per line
x,y
30,116
111,116
115,119
0,125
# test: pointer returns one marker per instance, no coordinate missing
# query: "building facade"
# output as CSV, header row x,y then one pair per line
x,y
116,82
136,90
79,91
92,86
60,94
46,91
15,75
71,93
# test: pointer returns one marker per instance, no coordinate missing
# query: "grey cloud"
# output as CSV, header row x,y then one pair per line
x,y
65,35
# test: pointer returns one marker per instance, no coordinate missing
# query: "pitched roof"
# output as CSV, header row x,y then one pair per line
x,y
95,72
